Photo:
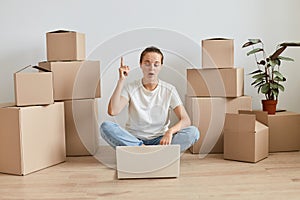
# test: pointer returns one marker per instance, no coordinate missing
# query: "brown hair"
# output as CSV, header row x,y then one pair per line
x,y
149,50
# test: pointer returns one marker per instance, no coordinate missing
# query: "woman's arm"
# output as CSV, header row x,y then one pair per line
x,y
184,121
118,102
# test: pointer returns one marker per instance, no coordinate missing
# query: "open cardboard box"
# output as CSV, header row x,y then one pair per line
x,y
245,139
65,45
208,114
33,88
217,53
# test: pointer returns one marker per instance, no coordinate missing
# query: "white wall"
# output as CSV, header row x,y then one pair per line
x,y
24,24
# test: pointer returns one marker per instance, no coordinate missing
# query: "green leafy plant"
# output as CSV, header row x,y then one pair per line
x,y
267,77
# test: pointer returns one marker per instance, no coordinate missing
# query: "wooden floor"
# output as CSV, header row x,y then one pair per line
x,y
277,177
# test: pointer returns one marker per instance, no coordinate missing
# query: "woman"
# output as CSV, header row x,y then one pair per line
x,y
149,101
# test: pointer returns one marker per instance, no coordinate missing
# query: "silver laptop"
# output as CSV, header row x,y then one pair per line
x,y
153,161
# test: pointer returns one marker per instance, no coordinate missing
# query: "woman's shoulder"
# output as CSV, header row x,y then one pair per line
x,y
134,84
166,85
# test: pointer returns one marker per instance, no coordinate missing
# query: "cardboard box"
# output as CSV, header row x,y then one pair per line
x,y
81,127
155,161
65,46
31,138
245,139
33,88
284,130
74,79
215,82
208,114
218,53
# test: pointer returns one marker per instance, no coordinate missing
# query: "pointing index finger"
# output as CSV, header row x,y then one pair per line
x,y
122,64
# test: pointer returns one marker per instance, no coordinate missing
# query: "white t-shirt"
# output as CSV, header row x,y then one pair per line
x,y
148,111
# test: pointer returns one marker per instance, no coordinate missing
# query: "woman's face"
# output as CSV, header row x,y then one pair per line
x,y
151,66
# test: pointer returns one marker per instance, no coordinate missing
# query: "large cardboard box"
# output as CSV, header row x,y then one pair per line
x,y
155,161
81,127
65,45
31,138
208,114
245,139
74,79
218,53
284,130
215,82
33,88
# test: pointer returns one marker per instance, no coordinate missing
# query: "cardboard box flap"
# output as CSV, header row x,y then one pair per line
x,y
23,69
259,126
45,65
261,116
61,31
34,67
41,69
48,65
239,123
218,39
5,105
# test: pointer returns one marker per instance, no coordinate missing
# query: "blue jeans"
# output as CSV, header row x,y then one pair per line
x,y
115,135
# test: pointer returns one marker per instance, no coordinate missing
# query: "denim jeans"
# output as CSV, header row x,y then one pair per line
x,y
115,135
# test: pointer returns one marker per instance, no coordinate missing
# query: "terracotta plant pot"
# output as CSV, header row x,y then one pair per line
x,y
270,106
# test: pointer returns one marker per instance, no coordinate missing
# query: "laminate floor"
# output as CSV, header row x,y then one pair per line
x,y
277,177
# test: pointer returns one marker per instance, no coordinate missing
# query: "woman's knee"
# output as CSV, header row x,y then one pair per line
x,y
105,124
194,131
105,127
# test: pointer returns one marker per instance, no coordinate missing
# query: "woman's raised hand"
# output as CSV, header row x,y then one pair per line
x,y
123,70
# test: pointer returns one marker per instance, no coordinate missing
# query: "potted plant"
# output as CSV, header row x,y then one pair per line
x,y
267,77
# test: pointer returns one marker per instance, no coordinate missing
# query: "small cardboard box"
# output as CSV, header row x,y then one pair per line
x,y
31,138
215,82
245,139
217,53
65,45
75,79
284,129
81,127
208,114
33,88
155,161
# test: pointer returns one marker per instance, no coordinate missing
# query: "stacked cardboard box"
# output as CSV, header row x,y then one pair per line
x,y
33,88
76,82
284,129
214,90
52,106
32,130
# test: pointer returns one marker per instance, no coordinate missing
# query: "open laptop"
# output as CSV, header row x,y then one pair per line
x,y
153,161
